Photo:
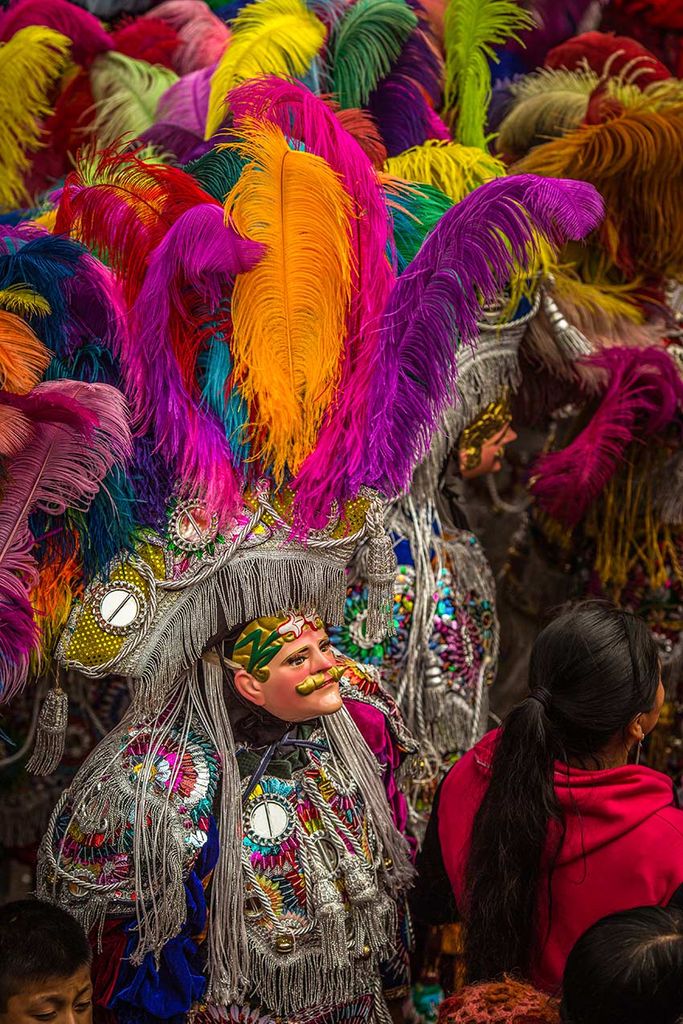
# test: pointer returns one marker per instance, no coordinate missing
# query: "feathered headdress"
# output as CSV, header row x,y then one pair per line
x,y
284,385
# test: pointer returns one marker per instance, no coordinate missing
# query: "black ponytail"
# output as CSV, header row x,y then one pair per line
x,y
592,671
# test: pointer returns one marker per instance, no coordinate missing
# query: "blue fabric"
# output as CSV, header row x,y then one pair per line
x,y
148,993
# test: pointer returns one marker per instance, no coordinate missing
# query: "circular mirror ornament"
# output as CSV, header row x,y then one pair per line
x,y
119,607
269,820
192,527
327,851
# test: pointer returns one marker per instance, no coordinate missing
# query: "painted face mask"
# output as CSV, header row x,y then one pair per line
x,y
482,443
291,660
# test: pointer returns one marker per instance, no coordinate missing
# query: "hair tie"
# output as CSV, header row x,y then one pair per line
x,y
543,697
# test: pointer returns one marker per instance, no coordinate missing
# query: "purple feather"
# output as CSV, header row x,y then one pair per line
x,y
556,23
181,116
643,395
187,101
179,142
197,259
433,310
399,104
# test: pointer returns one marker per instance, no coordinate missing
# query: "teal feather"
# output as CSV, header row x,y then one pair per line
x,y
414,211
215,368
109,526
217,171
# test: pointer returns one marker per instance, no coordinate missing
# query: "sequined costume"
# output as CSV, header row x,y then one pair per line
x,y
309,853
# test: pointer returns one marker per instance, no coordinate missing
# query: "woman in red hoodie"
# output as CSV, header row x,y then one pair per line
x,y
547,825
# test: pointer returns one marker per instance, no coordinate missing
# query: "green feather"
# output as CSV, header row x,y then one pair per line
x,y
218,171
126,93
472,30
365,44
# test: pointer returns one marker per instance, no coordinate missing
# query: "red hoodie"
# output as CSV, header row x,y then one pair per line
x,y
623,846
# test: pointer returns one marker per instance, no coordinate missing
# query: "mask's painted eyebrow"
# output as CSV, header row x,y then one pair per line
x,y
297,654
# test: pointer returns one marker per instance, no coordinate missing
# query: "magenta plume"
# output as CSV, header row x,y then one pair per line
x,y
87,36
642,396
78,432
190,273
468,258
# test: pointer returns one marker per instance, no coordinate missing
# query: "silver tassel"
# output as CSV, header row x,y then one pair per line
x,y
571,341
51,733
360,885
381,574
332,917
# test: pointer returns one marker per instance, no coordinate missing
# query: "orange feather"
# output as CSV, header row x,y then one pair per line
x,y
23,357
289,312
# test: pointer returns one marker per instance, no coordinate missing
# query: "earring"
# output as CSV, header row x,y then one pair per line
x,y
640,747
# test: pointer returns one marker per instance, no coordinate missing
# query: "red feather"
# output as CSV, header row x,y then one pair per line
x,y
598,48
148,39
87,36
122,207
67,129
360,126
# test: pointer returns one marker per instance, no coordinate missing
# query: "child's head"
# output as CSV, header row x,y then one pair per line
x,y
44,966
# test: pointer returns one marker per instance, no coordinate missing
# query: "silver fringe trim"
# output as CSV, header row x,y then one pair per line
x,y
53,721
348,745
246,588
381,574
570,340
103,799
291,982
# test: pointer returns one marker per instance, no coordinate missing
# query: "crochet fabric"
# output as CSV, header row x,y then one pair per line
x,y
509,1001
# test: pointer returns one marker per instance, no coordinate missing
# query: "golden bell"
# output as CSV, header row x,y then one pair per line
x,y
284,943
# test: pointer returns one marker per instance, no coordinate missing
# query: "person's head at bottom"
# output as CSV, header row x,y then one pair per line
x,y
44,966
627,969
509,1001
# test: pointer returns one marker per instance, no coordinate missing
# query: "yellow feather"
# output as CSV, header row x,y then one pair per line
x,y
604,297
546,104
454,169
23,357
289,312
270,37
46,220
30,63
24,301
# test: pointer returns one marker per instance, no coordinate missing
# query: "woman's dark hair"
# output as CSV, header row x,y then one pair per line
x,y
592,671
627,969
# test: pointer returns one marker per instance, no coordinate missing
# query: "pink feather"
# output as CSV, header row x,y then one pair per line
x,y
643,395
77,433
437,128
203,36
87,36
304,116
193,265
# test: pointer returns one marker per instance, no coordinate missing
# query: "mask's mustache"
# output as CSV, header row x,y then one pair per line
x,y
313,683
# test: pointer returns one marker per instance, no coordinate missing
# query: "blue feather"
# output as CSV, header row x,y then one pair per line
x,y
47,264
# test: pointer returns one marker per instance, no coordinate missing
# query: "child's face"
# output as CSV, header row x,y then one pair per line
x,y
52,1001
